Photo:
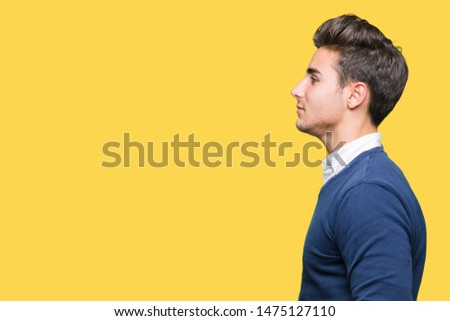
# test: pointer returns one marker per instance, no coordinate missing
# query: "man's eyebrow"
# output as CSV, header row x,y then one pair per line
x,y
313,71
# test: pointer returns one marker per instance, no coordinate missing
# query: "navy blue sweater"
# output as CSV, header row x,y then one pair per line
x,y
367,237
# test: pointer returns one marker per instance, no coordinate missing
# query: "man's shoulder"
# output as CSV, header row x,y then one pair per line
x,y
372,167
381,170
375,170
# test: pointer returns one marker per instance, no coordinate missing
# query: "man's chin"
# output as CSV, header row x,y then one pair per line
x,y
305,129
301,126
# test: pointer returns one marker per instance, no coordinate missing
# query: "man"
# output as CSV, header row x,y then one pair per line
x,y
367,237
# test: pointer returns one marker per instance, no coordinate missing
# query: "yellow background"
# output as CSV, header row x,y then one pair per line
x,y
76,74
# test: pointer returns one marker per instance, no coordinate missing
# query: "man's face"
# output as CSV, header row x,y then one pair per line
x,y
320,101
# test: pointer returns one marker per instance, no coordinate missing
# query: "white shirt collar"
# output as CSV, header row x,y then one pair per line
x,y
337,160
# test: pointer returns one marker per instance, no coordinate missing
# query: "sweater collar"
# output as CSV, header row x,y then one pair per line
x,y
339,159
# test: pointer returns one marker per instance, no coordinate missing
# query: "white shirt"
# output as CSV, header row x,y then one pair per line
x,y
337,160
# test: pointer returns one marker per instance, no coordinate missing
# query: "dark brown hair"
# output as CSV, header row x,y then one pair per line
x,y
366,55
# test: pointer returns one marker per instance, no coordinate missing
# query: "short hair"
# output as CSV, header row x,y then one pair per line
x,y
366,55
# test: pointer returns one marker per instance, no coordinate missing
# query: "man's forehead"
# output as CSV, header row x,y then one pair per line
x,y
323,60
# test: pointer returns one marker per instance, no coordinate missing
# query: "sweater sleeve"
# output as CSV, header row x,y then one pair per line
x,y
373,234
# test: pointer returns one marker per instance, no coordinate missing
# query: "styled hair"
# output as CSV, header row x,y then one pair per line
x,y
366,55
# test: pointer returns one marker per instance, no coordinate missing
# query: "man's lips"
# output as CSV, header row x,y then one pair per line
x,y
300,109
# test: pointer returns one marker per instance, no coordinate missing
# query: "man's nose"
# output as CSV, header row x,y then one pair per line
x,y
298,91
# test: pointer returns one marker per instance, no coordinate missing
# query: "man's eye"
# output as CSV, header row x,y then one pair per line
x,y
313,80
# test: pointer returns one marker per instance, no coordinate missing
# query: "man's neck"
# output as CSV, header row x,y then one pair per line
x,y
333,140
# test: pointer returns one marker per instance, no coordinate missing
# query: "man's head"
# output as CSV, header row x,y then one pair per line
x,y
366,55
368,75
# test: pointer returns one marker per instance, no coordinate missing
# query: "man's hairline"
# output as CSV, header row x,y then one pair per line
x,y
336,67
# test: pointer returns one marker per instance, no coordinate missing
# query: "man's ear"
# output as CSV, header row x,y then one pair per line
x,y
357,93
